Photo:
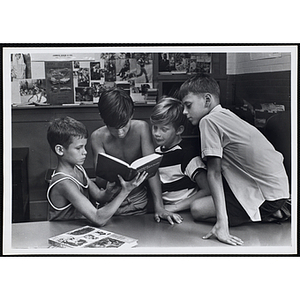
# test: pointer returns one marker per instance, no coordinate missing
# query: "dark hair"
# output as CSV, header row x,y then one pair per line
x,y
62,130
198,84
168,110
115,107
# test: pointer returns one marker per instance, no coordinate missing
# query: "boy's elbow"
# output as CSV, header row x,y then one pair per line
x,y
99,220
214,175
100,223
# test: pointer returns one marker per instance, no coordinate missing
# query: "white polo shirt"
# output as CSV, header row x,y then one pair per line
x,y
252,167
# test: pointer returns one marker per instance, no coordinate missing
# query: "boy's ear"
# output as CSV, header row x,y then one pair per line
x,y
180,130
208,99
59,149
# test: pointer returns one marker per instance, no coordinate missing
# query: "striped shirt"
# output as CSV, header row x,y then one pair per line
x,y
178,168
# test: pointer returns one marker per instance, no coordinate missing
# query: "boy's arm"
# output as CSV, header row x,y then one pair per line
x,y
103,195
201,179
154,182
160,211
221,228
70,191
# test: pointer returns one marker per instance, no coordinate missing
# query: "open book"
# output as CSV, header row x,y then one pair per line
x,y
92,237
108,167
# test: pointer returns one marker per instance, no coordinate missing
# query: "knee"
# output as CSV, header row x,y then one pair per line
x,y
197,211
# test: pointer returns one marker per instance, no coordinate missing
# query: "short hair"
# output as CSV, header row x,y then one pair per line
x,y
62,131
115,107
168,110
199,84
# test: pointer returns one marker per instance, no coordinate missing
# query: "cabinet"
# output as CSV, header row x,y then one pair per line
x,y
20,193
168,83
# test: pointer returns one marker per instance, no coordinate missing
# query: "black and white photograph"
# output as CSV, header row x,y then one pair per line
x,y
210,146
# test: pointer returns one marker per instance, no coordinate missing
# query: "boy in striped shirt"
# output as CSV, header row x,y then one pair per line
x,y
182,172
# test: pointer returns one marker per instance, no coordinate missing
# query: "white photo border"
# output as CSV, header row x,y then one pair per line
x,y
7,142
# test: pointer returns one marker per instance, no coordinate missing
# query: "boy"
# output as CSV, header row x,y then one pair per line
x,y
254,186
182,172
70,188
128,140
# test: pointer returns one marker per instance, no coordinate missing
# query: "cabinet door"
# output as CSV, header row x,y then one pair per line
x,y
20,196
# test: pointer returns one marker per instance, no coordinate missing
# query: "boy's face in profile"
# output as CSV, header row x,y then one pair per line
x,y
195,107
120,133
165,134
76,152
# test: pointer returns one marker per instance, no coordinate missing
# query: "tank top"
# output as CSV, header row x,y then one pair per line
x,y
68,211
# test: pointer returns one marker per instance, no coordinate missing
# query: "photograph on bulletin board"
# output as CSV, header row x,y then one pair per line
x,y
255,85
59,82
33,91
182,63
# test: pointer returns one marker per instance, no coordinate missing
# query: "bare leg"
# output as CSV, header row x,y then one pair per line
x,y
204,210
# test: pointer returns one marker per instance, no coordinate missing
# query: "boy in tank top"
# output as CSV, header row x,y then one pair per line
x,y
71,192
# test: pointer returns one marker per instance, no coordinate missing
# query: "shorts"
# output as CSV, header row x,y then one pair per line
x,y
236,213
134,204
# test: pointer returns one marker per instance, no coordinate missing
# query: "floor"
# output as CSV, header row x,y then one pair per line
x,y
163,238
258,238
264,234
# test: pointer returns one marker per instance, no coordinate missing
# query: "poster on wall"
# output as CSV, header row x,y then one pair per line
x,y
84,94
96,71
59,82
33,91
20,66
182,63
110,70
97,89
144,67
83,74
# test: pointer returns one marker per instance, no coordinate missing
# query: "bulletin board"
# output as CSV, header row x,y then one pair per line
x,y
74,78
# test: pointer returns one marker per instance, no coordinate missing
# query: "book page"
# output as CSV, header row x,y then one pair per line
x,y
143,160
116,159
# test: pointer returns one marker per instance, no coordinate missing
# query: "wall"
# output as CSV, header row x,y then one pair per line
x,y
245,63
259,78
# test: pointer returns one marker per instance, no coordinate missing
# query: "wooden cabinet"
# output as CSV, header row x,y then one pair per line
x,y
168,84
20,192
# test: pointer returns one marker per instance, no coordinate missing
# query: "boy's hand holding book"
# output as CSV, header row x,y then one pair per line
x,y
112,189
128,186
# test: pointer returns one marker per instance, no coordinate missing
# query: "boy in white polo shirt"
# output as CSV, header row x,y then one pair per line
x,y
245,173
